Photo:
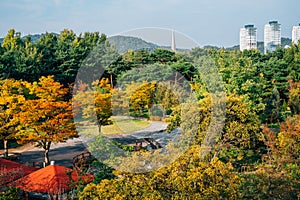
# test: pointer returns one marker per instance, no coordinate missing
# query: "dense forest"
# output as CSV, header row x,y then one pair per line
x,y
255,156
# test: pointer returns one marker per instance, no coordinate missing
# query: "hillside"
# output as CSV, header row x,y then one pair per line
x,y
124,43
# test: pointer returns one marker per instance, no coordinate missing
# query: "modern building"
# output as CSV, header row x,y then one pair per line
x,y
248,37
272,36
296,34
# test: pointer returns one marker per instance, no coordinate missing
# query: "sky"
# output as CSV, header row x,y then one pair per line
x,y
205,22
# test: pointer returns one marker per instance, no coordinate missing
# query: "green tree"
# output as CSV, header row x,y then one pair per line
x,y
163,56
273,107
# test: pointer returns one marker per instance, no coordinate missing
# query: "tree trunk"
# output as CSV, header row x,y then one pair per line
x,y
163,111
5,148
99,128
47,148
111,81
46,157
175,81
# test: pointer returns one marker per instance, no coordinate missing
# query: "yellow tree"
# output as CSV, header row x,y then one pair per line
x,y
294,98
11,98
142,97
94,105
47,118
188,177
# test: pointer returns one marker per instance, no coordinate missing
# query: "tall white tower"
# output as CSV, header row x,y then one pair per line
x,y
173,47
296,34
272,36
248,37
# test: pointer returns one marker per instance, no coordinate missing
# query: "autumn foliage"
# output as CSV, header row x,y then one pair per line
x,y
46,118
11,100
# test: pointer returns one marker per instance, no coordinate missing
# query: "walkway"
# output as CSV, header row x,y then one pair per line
x,y
63,153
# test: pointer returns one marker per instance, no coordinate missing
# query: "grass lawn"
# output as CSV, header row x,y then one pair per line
x,y
124,126
119,126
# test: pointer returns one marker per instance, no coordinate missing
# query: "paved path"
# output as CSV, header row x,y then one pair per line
x,y
63,153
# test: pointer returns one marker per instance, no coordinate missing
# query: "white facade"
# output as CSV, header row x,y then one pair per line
x,y
272,36
173,46
296,34
248,37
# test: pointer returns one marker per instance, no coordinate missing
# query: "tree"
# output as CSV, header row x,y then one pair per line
x,y
94,104
294,98
186,69
240,136
142,98
20,57
165,97
163,56
188,177
103,107
273,107
278,176
11,100
289,139
46,47
12,45
47,118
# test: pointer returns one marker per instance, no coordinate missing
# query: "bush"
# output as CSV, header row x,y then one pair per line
x,y
11,194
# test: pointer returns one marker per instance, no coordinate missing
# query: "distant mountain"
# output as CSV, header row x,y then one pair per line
x,y
34,37
233,48
286,41
210,47
125,43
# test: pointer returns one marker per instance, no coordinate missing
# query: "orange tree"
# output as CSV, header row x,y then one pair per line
x,y
11,99
277,177
46,118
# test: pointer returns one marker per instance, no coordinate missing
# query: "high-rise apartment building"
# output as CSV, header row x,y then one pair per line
x,y
248,37
272,36
296,34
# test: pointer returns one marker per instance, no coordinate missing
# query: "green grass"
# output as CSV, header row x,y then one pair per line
x,y
119,126
124,126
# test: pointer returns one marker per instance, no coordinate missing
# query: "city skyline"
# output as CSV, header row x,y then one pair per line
x,y
207,22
